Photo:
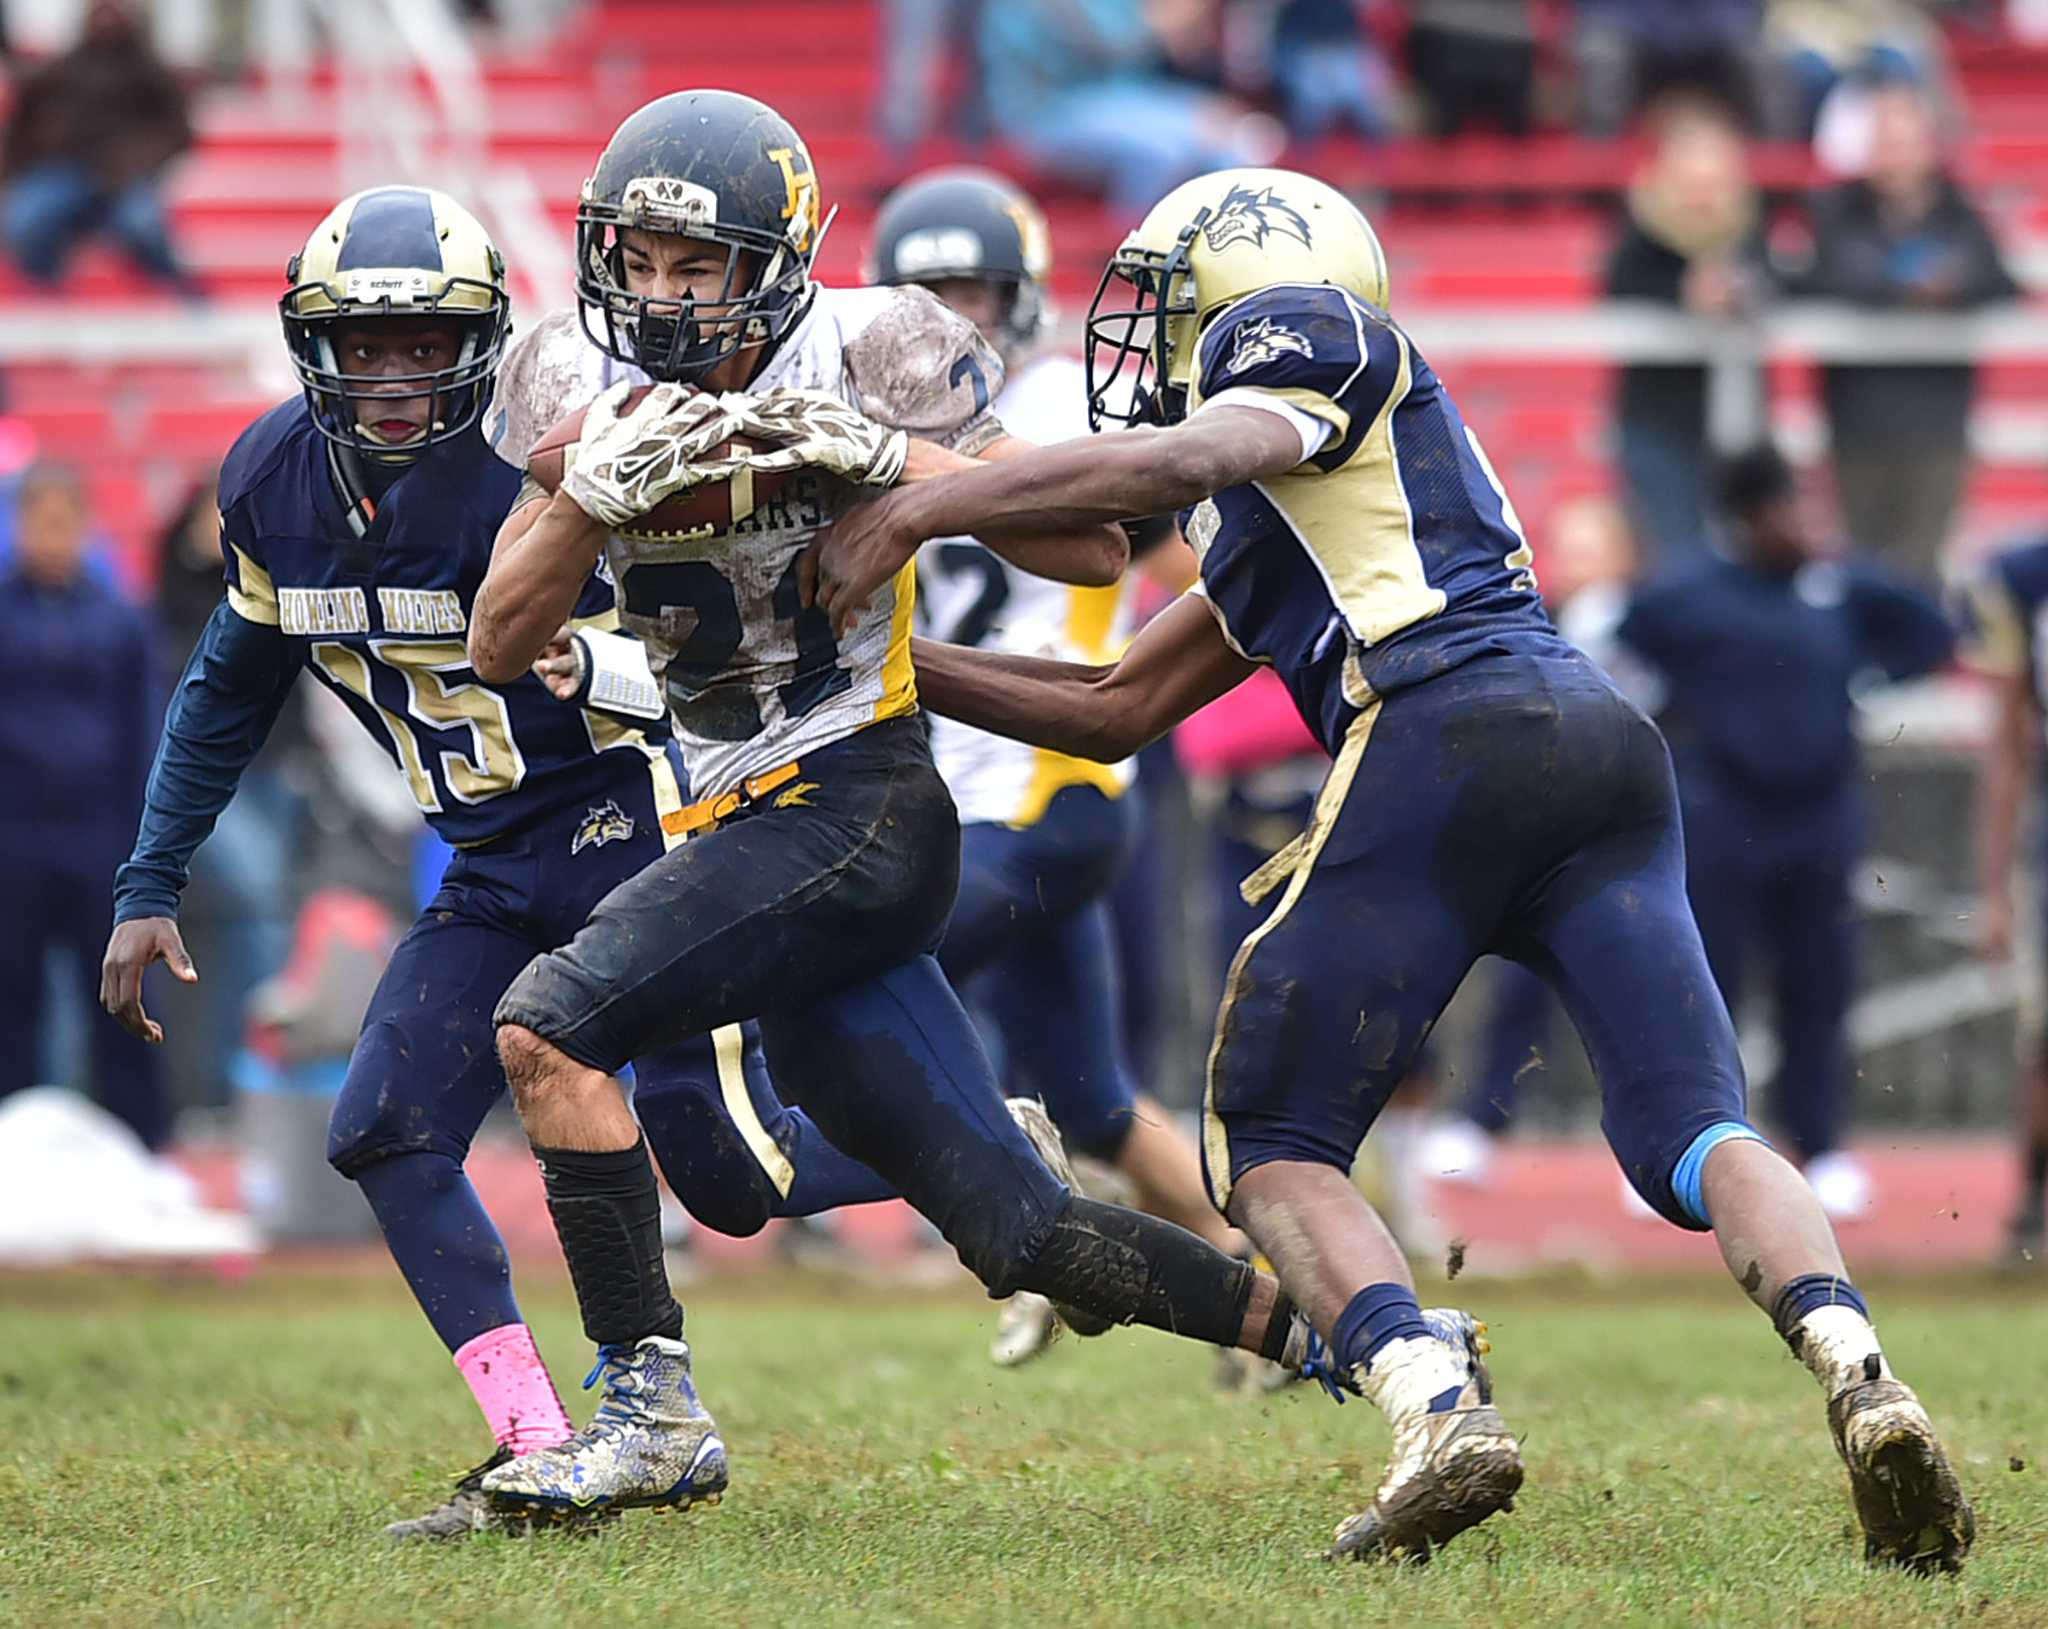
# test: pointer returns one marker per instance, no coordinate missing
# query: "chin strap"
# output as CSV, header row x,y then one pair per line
x,y
346,466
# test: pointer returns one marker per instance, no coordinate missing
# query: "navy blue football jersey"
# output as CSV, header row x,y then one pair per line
x,y
383,622
2007,617
1392,554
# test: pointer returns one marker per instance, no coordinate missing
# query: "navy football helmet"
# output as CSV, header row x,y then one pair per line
x,y
971,224
396,252
716,167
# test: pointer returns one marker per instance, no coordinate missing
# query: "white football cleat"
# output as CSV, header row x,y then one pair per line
x,y
1025,1327
1044,1136
1452,1463
1912,1508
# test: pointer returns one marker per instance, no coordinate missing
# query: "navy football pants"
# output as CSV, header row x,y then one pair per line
x,y
425,1071
1515,805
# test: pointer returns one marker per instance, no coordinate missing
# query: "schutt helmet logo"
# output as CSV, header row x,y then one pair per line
x,y
1254,215
607,823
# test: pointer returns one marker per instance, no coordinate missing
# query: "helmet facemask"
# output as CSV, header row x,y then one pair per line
x,y
682,340
1153,336
457,395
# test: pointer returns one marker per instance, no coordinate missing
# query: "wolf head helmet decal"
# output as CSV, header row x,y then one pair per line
x,y
1254,213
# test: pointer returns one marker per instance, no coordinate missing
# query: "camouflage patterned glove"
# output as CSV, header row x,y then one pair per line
x,y
625,467
814,429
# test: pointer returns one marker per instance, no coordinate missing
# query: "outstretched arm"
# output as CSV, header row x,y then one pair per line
x,y
1071,485
1091,556
1179,662
222,711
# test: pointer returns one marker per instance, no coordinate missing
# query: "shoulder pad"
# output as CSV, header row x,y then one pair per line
x,y
1295,337
258,448
917,365
548,371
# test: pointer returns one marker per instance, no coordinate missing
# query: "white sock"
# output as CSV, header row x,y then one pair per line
x,y
1837,1343
1407,1375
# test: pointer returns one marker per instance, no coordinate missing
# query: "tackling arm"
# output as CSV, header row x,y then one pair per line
x,y
1091,556
1179,662
1072,485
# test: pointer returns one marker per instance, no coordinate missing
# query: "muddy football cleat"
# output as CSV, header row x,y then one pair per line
x,y
468,1509
1025,1327
1912,1508
1044,1136
1453,1461
652,1444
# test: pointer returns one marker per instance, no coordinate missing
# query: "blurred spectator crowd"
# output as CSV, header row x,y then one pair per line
x,y
1137,95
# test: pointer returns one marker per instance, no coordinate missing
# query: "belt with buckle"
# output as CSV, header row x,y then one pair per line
x,y
708,813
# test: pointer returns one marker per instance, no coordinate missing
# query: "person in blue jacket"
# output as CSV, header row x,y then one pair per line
x,y
356,525
1759,656
75,740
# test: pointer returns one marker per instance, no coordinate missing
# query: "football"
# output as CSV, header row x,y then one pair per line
x,y
703,511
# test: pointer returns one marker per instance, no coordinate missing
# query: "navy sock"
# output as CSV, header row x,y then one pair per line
x,y
1377,1314
825,1178
444,1243
1808,1292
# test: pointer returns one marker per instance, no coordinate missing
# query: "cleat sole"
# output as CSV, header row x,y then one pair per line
x,y
1912,1509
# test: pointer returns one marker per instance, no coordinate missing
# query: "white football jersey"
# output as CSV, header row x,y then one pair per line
x,y
754,680
970,596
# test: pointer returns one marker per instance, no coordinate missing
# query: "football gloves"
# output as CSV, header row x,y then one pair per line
x,y
811,429
626,466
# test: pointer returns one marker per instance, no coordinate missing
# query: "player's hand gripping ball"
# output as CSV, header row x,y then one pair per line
x,y
813,429
661,462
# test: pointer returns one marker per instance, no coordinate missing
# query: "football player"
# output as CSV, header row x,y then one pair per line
x,y
356,522
824,852
1490,792
2006,606
1042,835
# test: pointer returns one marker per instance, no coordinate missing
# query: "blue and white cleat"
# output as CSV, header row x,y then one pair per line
x,y
653,1445
1453,1462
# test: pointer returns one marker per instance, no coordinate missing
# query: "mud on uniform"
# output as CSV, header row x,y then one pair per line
x,y
1042,835
823,855
1491,791
548,806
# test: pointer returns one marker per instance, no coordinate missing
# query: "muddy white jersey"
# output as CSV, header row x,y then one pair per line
x,y
755,680
969,596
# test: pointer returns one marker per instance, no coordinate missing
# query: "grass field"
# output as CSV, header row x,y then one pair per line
x,y
204,1453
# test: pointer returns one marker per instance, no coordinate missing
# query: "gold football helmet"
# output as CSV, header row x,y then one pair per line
x,y
1205,246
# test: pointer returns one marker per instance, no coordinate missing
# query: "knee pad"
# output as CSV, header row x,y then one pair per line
x,y
386,1107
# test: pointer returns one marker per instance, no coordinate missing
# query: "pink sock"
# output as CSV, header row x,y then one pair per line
x,y
512,1386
